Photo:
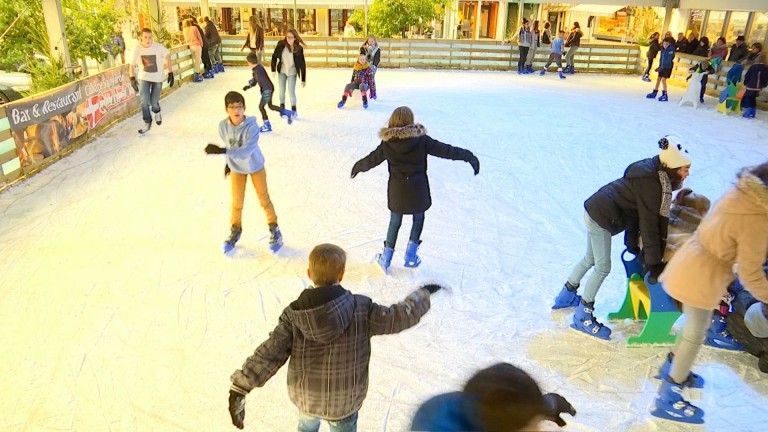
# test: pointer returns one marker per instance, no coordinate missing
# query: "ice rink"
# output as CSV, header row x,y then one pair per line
x,y
119,311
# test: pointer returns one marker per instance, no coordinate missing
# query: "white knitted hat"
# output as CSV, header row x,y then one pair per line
x,y
673,154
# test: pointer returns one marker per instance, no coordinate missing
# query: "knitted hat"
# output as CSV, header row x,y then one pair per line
x,y
672,153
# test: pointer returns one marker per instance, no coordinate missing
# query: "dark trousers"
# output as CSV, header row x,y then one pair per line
x,y
650,65
351,87
266,100
750,99
523,56
554,57
704,80
206,59
395,220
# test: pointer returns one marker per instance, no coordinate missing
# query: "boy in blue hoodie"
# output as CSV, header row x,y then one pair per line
x,y
261,78
240,134
666,63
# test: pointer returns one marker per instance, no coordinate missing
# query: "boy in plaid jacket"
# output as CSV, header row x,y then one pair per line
x,y
326,334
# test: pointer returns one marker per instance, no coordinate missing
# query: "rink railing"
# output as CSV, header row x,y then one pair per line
x,y
440,54
716,82
20,151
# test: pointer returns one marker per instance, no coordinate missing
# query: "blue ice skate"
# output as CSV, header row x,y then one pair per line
x,y
275,238
750,112
267,127
411,258
670,405
384,258
567,297
693,380
585,322
652,95
234,236
560,73
543,71
718,335
663,97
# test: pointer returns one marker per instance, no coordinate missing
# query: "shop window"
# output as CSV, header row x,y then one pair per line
x,y
759,28
737,26
695,22
337,18
307,21
715,25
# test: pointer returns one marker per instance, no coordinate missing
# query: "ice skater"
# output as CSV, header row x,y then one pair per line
x,y
556,55
405,146
288,62
500,398
637,204
325,335
733,232
362,79
666,63
261,78
653,50
147,57
240,134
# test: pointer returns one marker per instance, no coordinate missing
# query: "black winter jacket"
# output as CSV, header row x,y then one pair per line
x,y
756,77
654,49
406,149
211,34
298,59
738,52
633,204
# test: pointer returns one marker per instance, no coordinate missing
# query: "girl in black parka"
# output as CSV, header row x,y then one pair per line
x,y
405,146
653,50
638,204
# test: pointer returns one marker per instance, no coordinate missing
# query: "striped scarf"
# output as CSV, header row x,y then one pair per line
x,y
666,194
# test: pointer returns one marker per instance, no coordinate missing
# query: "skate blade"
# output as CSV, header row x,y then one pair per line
x,y
592,335
274,247
663,414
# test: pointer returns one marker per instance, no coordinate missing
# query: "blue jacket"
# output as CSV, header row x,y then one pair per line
x,y
242,144
449,412
667,57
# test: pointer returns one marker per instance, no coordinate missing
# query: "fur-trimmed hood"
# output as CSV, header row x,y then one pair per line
x,y
403,132
755,189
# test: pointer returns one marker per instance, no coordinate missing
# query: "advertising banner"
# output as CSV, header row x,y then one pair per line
x,y
48,123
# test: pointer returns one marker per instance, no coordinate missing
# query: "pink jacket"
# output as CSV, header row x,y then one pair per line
x,y
735,231
192,36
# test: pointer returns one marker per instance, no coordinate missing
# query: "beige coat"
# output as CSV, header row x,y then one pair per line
x,y
734,231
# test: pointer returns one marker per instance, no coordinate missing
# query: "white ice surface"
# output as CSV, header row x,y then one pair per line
x,y
119,312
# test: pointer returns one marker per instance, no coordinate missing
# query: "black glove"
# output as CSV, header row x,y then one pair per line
x,y
634,250
237,408
655,270
355,169
214,149
554,406
170,79
475,164
226,170
246,88
134,84
432,288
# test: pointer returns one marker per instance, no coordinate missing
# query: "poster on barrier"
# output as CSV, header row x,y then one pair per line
x,y
46,124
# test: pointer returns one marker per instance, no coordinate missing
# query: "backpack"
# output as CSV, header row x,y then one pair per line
x,y
545,38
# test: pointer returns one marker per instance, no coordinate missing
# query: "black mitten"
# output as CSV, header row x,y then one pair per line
x,y
237,408
655,271
134,84
226,170
356,169
432,288
214,149
475,164
556,405
170,79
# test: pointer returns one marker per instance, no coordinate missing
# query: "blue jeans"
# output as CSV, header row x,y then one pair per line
x,y
598,255
689,344
282,78
312,424
395,220
149,93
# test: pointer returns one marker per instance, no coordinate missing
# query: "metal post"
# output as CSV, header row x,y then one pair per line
x,y
295,17
57,38
365,29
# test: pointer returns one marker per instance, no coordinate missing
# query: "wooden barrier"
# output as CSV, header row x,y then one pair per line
x,y
716,82
440,54
11,168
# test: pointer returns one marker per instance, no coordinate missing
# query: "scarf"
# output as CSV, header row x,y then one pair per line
x,y
359,67
666,194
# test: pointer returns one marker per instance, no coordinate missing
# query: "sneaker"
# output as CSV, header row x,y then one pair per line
x,y
693,380
585,322
567,297
158,118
